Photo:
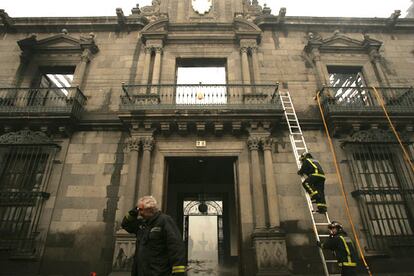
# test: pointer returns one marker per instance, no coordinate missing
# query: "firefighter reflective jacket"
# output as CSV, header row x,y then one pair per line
x,y
160,250
344,249
311,167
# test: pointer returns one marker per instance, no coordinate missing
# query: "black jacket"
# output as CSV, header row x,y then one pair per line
x,y
344,249
311,167
160,249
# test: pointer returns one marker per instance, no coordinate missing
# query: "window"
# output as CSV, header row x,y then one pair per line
x,y
201,81
348,85
50,86
383,185
23,176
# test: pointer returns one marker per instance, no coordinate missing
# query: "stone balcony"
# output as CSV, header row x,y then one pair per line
x,y
201,105
348,108
41,106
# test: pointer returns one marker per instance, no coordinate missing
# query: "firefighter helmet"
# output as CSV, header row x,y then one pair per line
x,y
337,225
305,155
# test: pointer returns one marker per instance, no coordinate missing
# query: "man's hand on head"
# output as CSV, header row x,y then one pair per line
x,y
133,212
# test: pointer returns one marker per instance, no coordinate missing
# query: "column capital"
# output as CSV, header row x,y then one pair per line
x,y
86,55
158,49
253,142
267,143
133,143
374,55
147,143
244,50
316,55
148,49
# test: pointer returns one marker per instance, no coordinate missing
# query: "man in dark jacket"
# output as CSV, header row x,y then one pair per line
x,y
159,250
343,247
314,184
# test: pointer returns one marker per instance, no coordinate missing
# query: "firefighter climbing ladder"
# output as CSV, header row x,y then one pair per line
x,y
319,221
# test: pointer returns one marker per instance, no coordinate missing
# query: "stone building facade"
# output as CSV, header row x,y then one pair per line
x,y
98,111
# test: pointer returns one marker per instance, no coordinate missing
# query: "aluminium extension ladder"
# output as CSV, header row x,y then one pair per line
x,y
319,221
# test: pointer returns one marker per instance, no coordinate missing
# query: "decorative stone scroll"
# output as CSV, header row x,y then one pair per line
x,y
25,137
376,136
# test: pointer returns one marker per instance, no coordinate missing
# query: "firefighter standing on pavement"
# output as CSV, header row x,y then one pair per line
x,y
159,250
314,184
343,247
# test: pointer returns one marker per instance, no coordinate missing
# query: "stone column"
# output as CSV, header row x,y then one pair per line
x,y
375,59
320,68
256,67
80,70
272,196
144,181
131,190
245,66
125,242
258,199
147,62
270,243
157,68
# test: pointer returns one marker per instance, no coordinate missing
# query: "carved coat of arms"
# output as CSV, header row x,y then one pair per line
x,y
202,6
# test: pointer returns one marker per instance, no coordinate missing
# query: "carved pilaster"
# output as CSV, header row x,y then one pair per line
x,y
144,181
156,70
253,143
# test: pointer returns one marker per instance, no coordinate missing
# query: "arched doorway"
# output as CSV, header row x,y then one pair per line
x,y
203,235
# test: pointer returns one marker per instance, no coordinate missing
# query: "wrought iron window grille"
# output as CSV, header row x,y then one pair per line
x,y
24,174
384,190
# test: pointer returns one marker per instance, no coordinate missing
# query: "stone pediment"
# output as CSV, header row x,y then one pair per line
x,y
60,42
245,29
156,29
340,42
159,25
243,25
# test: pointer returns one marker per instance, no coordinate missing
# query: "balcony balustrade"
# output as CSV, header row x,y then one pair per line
x,y
363,101
41,102
347,108
200,96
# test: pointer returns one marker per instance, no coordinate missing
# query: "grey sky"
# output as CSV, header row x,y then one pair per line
x,y
345,8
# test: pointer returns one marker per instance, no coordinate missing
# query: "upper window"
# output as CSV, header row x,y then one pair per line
x,y
201,81
349,85
50,86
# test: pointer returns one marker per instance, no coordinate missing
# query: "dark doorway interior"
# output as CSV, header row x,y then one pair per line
x,y
213,231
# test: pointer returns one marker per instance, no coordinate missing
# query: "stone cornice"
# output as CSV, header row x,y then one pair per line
x,y
110,23
344,23
73,24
